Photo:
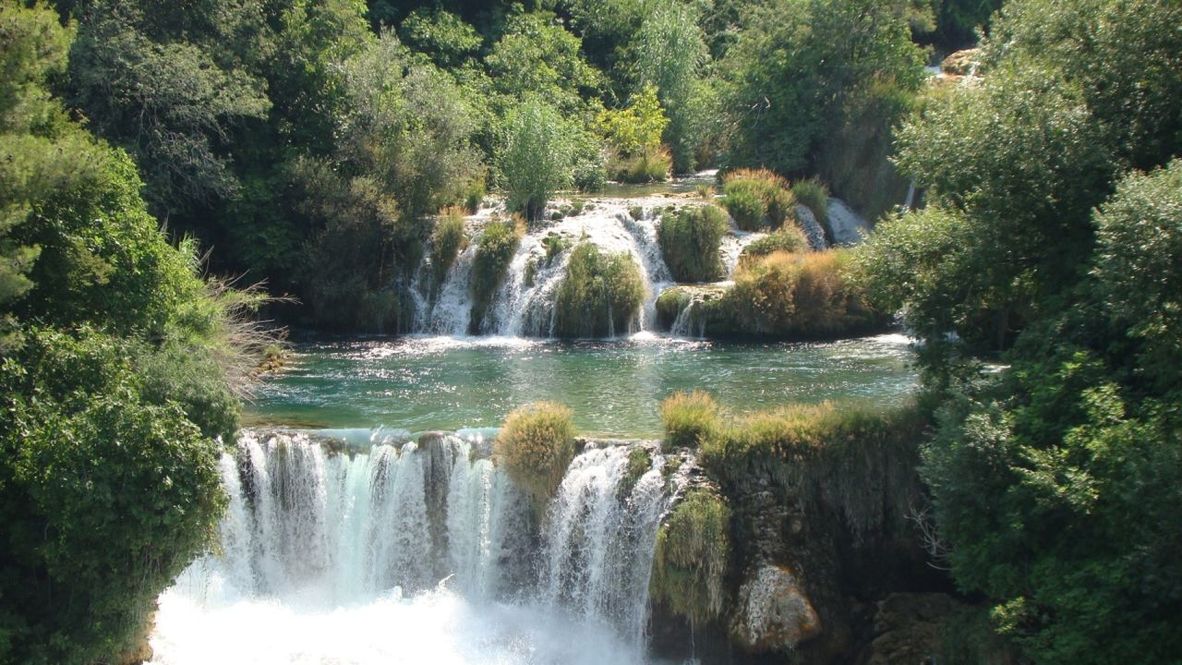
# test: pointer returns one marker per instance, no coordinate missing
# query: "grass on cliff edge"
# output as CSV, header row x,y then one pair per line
x,y
535,445
857,458
690,239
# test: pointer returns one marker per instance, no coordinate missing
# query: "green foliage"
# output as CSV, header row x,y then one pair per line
x,y
115,378
689,418
692,556
1139,278
537,157
494,250
794,296
600,296
814,195
167,100
787,239
690,239
669,53
534,446
537,57
441,35
350,262
637,128
794,76
642,168
447,241
758,199
106,497
1101,48
1013,165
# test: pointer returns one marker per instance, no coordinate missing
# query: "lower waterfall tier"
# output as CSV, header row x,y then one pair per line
x,y
418,551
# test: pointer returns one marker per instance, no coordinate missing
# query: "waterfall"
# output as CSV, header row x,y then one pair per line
x,y
321,528
524,303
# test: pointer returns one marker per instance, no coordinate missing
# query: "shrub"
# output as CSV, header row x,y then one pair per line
x,y
814,195
642,168
447,241
474,195
787,239
689,419
600,295
538,157
757,198
495,249
535,445
690,239
798,296
691,557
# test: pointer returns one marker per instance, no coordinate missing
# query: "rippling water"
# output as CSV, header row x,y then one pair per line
x,y
614,387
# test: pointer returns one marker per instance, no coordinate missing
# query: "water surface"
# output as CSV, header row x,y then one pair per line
x,y
613,387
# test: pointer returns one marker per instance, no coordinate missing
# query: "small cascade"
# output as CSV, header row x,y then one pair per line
x,y
524,304
599,544
314,526
688,323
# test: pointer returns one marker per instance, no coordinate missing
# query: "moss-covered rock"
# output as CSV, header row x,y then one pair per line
x,y
447,241
757,199
495,249
640,460
690,239
692,556
689,419
796,296
600,295
788,239
535,445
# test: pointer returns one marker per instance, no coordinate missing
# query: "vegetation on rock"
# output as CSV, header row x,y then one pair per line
x,y
689,418
787,239
757,199
534,446
494,250
690,239
600,295
447,241
692,556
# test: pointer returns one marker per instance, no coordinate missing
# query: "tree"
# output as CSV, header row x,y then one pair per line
x,y
536,158
670,54
115,378
806,72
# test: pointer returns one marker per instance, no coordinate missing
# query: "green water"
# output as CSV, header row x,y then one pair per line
x,y
613,387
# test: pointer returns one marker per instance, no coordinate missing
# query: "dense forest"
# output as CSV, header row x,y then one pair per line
x,y
156,158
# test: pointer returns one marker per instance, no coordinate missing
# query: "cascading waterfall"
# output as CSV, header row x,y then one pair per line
x,y
312,530
524,304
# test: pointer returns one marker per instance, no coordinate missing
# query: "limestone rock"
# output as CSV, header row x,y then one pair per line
x,y
962,63
773,613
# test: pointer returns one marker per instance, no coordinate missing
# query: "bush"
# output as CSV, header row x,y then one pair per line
x,y
691,557
757,199
447,241
814,195
689,419
535,445
787,239
538,157
642,168
600,295
494,251
798,296
107,496
690,239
